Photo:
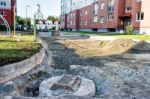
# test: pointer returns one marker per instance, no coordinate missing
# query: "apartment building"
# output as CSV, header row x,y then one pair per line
x,y
106,15
7,11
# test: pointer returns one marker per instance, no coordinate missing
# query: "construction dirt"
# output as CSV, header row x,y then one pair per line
x,y
90,48
119,68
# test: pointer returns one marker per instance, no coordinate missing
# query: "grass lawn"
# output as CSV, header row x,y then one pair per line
x,y
137,36
15,49
140,37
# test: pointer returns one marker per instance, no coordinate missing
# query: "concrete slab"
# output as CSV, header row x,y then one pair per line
x,y
45,34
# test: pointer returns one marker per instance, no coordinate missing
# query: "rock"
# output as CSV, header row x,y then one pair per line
x,y
59,72
9,88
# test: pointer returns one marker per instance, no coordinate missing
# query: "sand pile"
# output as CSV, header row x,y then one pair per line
x,y
120,45
89,48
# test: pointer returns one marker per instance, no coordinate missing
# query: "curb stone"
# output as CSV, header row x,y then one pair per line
x,y
11,71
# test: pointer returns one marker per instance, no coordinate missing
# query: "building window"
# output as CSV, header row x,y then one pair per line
x,y
4,3
110,16
111,4
85,23
102,19
73,23
70,22
80,22
102,6
3,13
95,1
81,13
128,9
73,14
96,6
2,23
95,12
139,16
86,12
1,3
138,0
95,19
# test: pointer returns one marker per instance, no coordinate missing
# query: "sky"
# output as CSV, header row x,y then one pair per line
x,y
48,7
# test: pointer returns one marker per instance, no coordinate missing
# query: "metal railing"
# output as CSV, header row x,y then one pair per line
x,y
6,24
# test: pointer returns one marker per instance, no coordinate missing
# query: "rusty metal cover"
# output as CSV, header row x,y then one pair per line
x,y
67,82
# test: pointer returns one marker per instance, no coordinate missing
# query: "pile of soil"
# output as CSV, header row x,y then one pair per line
x,y
90,48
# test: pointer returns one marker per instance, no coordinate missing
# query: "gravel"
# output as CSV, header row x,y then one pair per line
x,y
121,76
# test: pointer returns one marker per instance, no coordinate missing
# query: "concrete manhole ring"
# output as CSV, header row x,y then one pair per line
x,y
67,85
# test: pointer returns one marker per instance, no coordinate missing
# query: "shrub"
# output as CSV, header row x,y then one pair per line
x,y
129,30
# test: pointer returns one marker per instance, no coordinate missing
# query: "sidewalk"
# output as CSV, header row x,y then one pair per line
x,y
102,37
45,34
109,38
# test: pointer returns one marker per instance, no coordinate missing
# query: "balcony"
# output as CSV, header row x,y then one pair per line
x,y
126,16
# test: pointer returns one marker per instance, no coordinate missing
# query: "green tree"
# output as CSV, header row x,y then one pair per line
x,y
27,22
24,22
58,19
51,18
20,21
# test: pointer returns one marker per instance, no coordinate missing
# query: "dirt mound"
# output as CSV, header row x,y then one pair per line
x,y
89,48
120,45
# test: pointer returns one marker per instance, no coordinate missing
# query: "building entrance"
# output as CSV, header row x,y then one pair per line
x,y
126,23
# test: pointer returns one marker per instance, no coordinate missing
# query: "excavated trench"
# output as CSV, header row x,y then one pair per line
x,y
114,74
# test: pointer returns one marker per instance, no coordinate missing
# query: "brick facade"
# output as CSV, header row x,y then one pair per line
x,y
7,10
114,16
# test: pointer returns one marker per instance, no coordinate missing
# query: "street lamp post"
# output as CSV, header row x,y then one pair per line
x,y
14,21
34,19
26,7
27,10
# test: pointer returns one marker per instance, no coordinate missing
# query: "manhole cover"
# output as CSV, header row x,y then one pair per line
x,y
67,85
67,82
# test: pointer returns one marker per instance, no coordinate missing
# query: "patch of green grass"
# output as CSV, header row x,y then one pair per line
x,y
139,37
15,49
118,35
